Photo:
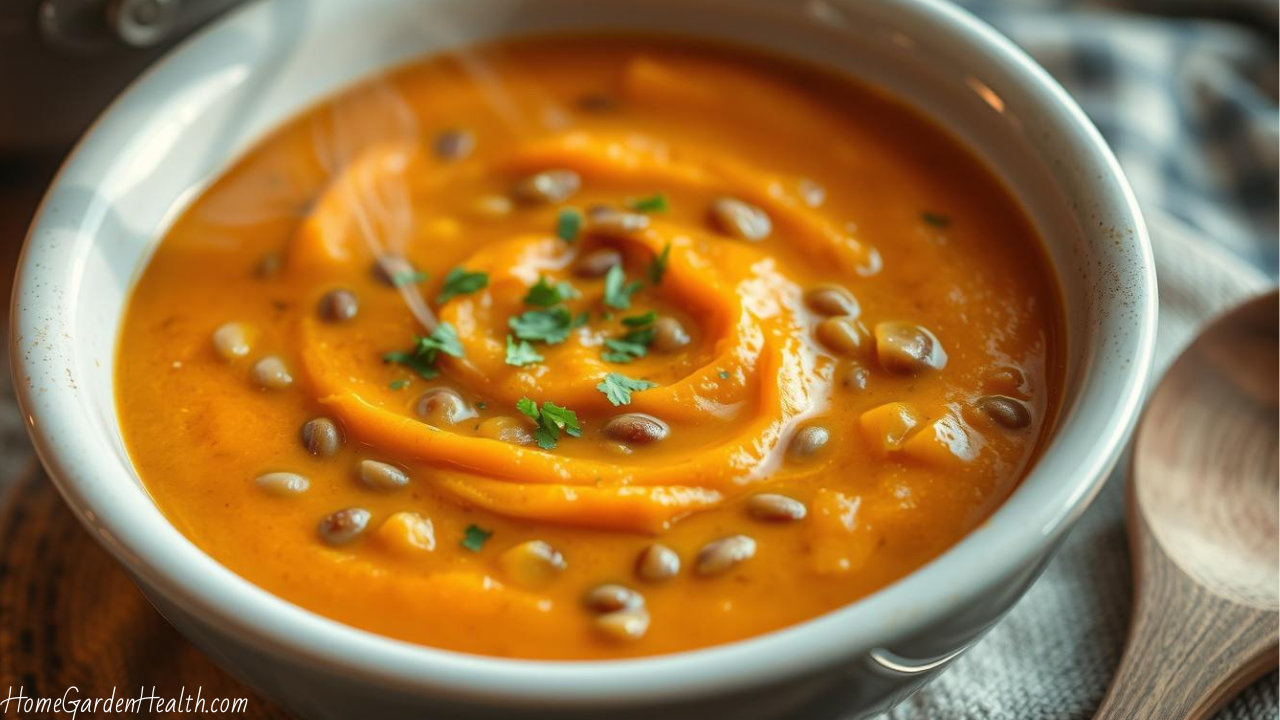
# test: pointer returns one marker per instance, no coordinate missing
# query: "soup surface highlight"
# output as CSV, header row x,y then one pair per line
x,y
591,347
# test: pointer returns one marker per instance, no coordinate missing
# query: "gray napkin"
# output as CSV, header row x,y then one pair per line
x,y
1188,103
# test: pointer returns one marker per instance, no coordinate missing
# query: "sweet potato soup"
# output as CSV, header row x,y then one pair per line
x,y
591,348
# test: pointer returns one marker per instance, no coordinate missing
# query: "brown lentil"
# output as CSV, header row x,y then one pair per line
x,y
908,348
720,556
831,300
841,335
271,373
343,526
1005,411
321,437
506,429
382,476
338,305
657,563
669,334
775,508
612,598
636,429
532,564
283,484
548,186
596,264
443,406
740,219
808,442
624,625
455,144
231,340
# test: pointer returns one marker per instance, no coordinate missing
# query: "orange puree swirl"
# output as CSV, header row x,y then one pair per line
x,y
751,372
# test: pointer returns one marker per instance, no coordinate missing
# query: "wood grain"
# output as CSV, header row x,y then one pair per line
x,y
72,618
1204,526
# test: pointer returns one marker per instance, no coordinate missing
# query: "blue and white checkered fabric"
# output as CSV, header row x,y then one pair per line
x,y
1185,92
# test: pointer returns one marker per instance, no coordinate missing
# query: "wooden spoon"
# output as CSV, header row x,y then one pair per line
x,y
1203,526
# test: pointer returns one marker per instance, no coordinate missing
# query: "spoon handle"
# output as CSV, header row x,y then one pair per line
x,y
1189,650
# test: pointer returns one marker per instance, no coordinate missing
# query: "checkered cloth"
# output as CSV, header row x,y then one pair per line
x,y
1185,92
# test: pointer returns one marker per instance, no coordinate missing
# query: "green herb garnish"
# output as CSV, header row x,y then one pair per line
x,y
618,388
521,353
550,326
461,282
544,294
408,277
475,537
400,384
421,358
617,291
552,420
640,320
724,374
936,219
658,265
634,344
652,204
568,225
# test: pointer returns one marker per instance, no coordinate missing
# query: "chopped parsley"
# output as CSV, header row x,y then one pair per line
x,y
652,204
724,374
617,291
568,225
635,343
474,537
521,353
544,294
421,358
618,388
551,419
658,265
400,384
461,282
937,220
550,326
640,320
408,277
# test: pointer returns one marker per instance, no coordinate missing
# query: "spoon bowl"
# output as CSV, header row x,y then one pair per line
x,y
1204,524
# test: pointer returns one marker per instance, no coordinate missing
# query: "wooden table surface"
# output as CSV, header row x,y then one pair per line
x,y
69,616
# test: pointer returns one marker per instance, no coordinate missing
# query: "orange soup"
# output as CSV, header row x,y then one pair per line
x,y
591,347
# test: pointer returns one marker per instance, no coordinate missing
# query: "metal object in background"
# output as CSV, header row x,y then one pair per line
x,y
62,61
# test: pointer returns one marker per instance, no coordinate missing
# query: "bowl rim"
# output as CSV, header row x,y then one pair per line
x,y
191,580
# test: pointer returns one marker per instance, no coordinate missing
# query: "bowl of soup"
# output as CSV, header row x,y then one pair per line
x,y
528,358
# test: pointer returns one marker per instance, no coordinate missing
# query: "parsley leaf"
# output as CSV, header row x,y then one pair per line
x,y
408,277
724,374
544,294
618,388
658,265
461,282
551,419
421,358
522,353
568,224
617,291
634,344
475,537
937,220
654,203
400,384
640,320
550,326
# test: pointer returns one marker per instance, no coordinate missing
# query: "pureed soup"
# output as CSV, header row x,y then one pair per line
x,y
591,348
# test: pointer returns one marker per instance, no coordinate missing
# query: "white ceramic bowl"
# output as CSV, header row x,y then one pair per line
x,y
191,115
